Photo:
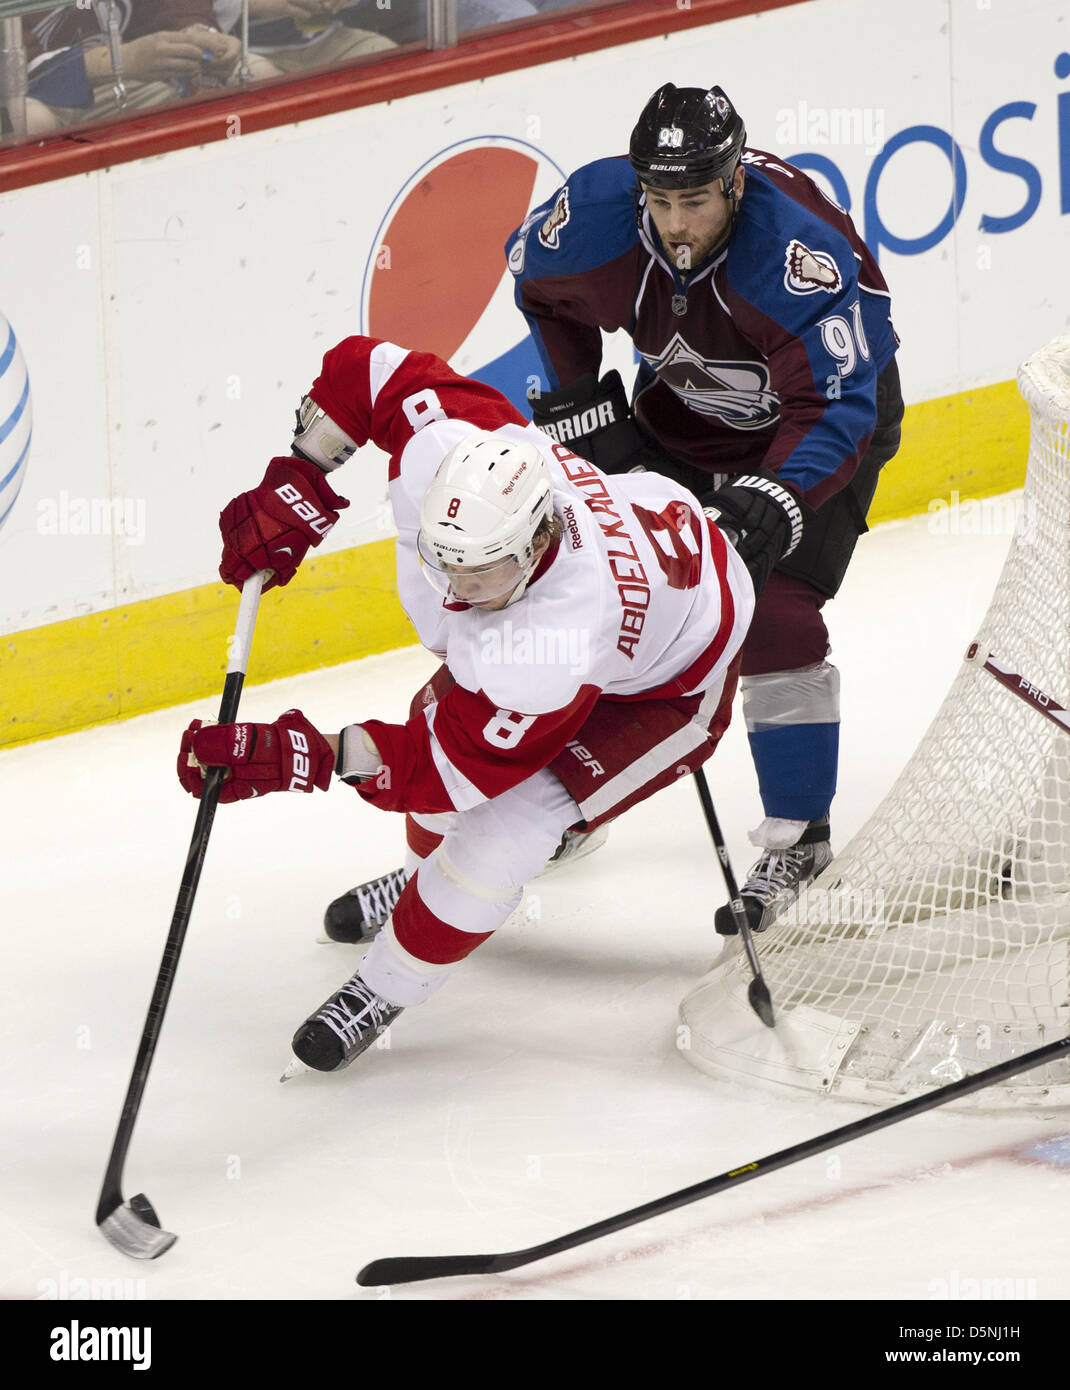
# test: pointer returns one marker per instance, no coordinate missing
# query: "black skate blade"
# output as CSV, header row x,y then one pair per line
x,y
134,1228
761,1002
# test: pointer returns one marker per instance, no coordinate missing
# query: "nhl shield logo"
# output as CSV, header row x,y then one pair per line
x,y
807,271
550,231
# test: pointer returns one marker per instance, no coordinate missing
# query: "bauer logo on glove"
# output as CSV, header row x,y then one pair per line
x,y
289,755
272,527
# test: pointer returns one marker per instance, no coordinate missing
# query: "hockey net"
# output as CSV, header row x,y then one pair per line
x,y
936,944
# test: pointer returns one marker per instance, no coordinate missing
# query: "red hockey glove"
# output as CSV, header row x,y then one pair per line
x,y
289,755
272,526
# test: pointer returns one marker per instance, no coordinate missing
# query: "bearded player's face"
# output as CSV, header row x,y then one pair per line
x,y
691,222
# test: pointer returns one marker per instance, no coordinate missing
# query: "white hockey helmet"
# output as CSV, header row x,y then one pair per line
x,y
479,517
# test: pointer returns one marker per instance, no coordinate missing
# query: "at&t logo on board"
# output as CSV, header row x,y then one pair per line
x,y
16,419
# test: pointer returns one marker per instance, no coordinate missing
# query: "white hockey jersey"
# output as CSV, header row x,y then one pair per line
x,y
641,598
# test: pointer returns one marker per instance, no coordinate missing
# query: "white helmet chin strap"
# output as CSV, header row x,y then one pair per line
x,y
518,592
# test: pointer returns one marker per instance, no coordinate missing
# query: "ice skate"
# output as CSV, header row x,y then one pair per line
x,y
576,844
778,878
343,1027
359,915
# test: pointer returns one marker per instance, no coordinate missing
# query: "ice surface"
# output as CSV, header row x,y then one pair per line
x,y
538,1092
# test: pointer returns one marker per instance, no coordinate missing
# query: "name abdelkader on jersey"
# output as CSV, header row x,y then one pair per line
x,y
662,604
765,356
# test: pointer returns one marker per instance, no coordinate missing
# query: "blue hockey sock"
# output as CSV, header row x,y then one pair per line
x,y
793,723
796,766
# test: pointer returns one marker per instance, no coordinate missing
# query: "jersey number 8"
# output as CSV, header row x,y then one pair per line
x,y
506,729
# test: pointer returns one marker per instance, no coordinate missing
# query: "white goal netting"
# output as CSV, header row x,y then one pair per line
x,y
937,943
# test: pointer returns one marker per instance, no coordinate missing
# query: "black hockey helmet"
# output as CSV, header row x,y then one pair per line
x,y
686,137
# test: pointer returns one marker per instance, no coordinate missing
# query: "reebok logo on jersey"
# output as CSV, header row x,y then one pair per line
x,y
808,270
573,526
550,231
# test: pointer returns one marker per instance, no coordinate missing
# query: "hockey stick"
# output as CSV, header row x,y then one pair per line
x,y
408,1269
133,1227
1023,688
757,990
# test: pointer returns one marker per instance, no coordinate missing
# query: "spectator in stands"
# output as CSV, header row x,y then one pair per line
x,y
298,35
168,48
405,21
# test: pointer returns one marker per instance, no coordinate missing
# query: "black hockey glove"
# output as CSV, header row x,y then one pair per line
x,y
763,518
593,419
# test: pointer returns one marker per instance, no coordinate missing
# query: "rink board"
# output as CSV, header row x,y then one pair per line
x,y
189,298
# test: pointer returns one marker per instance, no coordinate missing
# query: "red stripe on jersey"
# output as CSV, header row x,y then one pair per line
x,y
495,749
426,936
408,779
421,389
422,842
431,690
695,675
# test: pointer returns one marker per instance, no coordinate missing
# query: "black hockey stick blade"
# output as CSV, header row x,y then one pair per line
x,y
760,1001
758,992
409,1269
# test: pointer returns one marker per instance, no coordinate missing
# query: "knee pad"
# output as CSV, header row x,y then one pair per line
x,y
793,726
810,695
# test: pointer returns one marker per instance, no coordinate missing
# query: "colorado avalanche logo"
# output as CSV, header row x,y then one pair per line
x,y
807,271
736,393
550,231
